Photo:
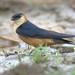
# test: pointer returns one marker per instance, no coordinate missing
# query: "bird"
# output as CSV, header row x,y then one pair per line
x,y
34,35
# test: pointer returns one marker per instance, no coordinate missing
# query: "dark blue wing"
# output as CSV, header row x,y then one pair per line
x,y
28,29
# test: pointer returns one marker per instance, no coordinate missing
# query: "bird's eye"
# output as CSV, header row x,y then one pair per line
x,y
17,16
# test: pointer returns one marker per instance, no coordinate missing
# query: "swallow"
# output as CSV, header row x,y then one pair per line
x,y
34,35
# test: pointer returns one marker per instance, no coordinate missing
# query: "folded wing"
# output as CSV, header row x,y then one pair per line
x,y
30,30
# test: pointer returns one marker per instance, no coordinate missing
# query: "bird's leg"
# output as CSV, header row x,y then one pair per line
x,y
28,47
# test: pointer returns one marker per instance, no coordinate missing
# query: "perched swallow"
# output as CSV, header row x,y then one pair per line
x,y
33,35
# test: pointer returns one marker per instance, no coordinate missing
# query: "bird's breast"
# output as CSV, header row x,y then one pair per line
x,y
36,41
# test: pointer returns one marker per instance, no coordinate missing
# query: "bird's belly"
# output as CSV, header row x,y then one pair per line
x,y
35,41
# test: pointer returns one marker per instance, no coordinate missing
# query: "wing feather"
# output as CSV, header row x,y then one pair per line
x,y
28,29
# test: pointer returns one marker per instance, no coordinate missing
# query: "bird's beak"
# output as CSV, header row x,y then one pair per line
x,y
12,19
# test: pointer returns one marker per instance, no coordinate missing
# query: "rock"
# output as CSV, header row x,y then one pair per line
x,y
69,58
65,48
25,69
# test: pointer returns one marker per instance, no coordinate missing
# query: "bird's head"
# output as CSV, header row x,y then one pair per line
x,y
18,19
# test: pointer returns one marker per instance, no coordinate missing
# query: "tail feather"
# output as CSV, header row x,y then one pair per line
x,y
64,41
73,43
68,41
